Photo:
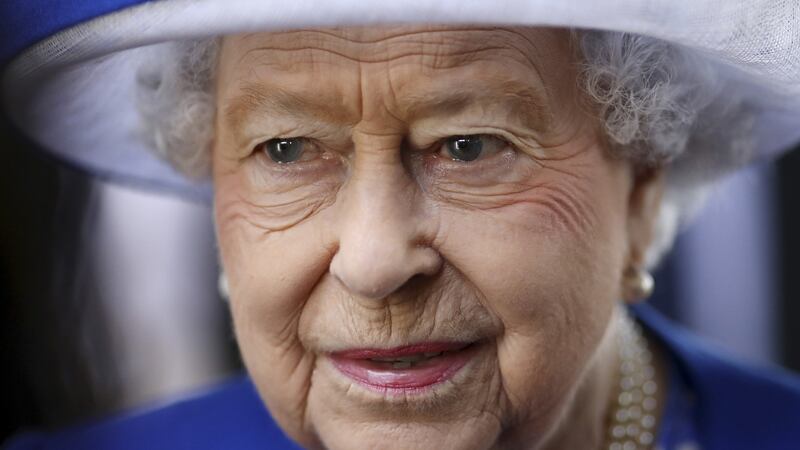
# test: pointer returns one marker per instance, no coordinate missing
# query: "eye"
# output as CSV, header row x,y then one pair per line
x,y
284,150
471,147
464,148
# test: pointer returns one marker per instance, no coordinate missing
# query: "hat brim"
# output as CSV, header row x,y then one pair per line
x,y
73,93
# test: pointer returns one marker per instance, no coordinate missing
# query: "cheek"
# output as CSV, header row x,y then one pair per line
x,y
271,272
547,265
561,238
259,221
257,209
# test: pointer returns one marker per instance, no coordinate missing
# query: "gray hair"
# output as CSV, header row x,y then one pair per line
x,y
660,105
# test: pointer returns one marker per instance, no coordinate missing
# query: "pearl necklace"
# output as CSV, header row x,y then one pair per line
x,y
632,417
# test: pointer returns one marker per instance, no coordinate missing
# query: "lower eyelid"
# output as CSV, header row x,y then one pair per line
x,y
295,176
444,166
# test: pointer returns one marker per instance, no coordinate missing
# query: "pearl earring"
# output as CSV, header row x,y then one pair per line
x,y
222,286
638,283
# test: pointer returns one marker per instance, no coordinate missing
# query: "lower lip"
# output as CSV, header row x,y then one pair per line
x,y
424,375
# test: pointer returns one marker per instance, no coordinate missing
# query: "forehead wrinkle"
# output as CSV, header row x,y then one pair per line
x,y
448,46
441,59
365,37
373,35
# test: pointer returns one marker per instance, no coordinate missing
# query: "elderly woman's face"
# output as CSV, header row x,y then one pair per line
x,y
423,236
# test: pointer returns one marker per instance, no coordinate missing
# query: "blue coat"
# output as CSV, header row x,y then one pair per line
x,y
714,403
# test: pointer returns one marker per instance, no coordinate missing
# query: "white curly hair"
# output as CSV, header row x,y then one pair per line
x,y
660,105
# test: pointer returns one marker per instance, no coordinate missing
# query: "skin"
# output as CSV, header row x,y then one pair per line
x,y
378,238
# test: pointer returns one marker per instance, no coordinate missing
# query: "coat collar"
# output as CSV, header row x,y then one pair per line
x,y
738,406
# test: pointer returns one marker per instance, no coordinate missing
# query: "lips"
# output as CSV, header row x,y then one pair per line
x,y
404,369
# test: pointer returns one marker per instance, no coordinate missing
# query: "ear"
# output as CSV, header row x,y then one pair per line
x,y
644,204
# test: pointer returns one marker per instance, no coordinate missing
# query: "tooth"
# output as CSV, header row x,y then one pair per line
x,y
401,365
410,358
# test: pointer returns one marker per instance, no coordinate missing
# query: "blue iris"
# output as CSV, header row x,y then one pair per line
x,y
465,148
284,150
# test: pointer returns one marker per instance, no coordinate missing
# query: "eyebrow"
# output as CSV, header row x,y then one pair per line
x,y
266,99
523,101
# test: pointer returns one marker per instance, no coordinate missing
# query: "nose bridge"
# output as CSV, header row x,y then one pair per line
x,y
383,231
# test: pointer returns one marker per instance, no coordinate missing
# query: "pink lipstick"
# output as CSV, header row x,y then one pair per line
x,y
406,369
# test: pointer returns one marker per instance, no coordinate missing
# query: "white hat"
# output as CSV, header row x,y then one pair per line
x,y
70,84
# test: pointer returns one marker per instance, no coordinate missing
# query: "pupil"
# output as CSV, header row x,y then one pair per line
x,y
284,151
465,148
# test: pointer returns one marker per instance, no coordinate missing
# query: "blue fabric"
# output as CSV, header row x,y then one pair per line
x,y
713,403
26,22
678,430
230,417
734,406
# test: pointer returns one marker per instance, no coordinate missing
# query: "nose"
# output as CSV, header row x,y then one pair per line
x,y
385,233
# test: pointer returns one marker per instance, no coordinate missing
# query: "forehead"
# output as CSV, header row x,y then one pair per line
x,y
442,45
409,64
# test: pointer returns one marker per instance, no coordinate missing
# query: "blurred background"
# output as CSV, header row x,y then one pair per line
x,y
109,294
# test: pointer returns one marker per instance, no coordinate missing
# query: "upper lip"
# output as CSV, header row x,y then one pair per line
x,y
405,350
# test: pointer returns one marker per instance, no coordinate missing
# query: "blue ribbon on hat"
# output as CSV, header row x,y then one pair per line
x,y
23,23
